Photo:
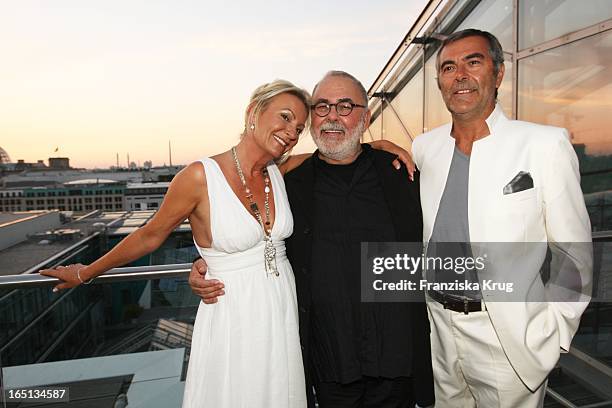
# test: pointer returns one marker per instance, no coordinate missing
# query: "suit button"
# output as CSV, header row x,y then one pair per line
x,y
303,309
306,231
304,270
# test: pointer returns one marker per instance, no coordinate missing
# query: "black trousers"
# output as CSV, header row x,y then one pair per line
x,y
369,392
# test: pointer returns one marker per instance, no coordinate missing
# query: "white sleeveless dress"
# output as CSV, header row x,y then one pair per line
x,y
245,350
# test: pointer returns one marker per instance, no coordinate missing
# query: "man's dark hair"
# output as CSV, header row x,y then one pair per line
x,y
496,51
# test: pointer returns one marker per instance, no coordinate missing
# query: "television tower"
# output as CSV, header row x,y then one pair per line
x,y
170,153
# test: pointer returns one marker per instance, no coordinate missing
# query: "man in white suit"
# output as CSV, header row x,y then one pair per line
x,y
488,179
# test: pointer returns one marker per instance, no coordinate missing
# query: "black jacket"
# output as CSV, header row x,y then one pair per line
x,y
402,197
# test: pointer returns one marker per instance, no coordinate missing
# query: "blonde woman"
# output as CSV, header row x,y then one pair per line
x,y
245,349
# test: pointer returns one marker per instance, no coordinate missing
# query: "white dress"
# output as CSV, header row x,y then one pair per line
x,y
245,350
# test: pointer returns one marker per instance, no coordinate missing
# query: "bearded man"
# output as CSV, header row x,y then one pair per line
x,y
356,354
366,355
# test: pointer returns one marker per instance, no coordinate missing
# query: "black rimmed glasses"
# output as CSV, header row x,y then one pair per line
x,y
343,108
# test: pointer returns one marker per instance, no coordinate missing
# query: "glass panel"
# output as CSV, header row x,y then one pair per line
x,y
494,16
86,339
504,93
409,104
393,130
543,20
571,87
375,129
435,109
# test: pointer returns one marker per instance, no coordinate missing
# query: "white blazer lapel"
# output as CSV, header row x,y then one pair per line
x,y
434,172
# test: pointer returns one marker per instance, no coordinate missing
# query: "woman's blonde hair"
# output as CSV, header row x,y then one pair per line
x,y
262,97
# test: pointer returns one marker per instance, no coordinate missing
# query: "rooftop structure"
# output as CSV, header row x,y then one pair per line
x,y
44,176
39,235
90,181
31,238
7,218
59,162
19,226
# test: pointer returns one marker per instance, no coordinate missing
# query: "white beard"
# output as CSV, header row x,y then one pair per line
x,y
339,149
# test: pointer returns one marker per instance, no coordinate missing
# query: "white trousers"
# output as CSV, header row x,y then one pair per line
x,y
469,365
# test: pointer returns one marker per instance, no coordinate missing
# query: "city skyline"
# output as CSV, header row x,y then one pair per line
x,y
94,81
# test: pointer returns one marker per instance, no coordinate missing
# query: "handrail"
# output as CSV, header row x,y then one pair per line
x,y
558,398
602,235
132,273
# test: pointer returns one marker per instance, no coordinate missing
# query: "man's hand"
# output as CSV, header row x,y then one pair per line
x,y
207,289
402,155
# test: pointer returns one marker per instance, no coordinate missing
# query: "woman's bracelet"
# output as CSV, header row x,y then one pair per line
x,y
87,282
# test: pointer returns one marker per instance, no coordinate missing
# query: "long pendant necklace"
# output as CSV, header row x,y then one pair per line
x,y
269,250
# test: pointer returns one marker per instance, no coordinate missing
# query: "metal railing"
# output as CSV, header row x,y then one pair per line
x,y
12,282
132,273
162,336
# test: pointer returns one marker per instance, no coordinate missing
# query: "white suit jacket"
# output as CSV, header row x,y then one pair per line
x,y
532,333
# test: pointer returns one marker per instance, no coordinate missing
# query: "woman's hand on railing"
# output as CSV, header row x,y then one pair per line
x,y
69,275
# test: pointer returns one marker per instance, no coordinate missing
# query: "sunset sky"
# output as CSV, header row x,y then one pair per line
x,y
97,78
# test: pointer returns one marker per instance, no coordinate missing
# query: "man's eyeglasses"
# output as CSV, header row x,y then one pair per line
x,y
343,108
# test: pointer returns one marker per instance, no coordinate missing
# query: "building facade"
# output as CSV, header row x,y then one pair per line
x,y
144,196
558,57
85,196
12,200
59,162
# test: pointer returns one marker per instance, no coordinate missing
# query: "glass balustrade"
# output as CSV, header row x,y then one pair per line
x,y
127,339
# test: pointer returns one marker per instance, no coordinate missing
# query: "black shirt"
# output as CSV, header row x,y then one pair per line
x,y
350,339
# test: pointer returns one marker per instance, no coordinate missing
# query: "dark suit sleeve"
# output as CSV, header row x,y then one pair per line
x,y
422,371
298,184
422,367
403,198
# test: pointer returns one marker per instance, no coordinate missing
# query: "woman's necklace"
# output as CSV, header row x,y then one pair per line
x,y
269,250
